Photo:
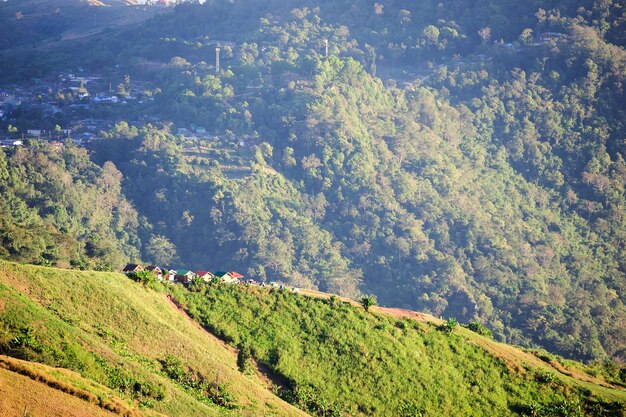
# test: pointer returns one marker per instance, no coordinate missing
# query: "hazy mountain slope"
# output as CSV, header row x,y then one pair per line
x,y
446,153
121,335
45,24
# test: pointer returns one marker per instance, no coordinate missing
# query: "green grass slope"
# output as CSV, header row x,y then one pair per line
x,y
338,359
130,346
129,339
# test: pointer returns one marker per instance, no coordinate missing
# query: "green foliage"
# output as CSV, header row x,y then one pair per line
x,y
244,357
481,176
198,384
118,334
368,301
441,374
127,383
49,214
160,250
479,328
449,325
572,408
408,409
145,277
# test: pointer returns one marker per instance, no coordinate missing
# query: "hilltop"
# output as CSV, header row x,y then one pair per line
x,y
121,338
130,345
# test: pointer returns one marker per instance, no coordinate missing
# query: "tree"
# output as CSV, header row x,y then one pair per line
x,y
196,285
145,277
178,62
476,327
404,16
526,36
244,357
485,34
288,158
160,250
368,301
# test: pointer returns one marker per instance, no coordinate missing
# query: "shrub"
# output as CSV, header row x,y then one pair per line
x,y
409,409
332,301
449,326
368,301
244,357
197,384
145,277
476,327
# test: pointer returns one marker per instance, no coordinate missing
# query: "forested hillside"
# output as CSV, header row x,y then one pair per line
x,y
465,159
59,208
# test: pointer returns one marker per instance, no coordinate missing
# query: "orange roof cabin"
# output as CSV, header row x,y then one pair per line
x,y
235,275
132,268
205,275
229,277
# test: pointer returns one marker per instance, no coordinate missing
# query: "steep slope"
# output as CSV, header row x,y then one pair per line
x,y
28,388
130,339
321,353
418,365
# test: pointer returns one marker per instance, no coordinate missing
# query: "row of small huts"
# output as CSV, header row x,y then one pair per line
x,y
182,275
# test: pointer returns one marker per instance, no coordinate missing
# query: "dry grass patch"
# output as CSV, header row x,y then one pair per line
x,y
15,371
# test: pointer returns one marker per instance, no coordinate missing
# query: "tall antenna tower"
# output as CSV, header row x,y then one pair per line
x,y
217,59
326,44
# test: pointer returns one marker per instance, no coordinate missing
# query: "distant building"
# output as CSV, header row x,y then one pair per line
x,y
156,271
551,36
105,99
184,276
132,268
8,143
229,277
205,275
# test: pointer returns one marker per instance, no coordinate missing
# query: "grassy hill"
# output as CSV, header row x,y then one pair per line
x,y
129,339
131,346
338,359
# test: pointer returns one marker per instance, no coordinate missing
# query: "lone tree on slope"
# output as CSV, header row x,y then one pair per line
x,y
368,301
